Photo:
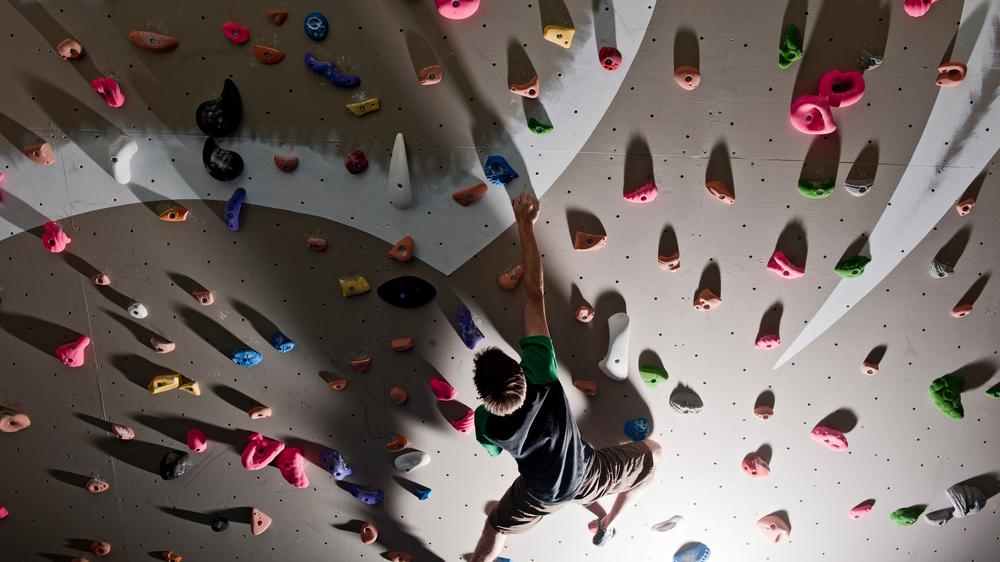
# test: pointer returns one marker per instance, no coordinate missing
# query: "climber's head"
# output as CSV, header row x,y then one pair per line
x,y
499,381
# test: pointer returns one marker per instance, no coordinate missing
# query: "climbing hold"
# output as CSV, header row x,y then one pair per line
x,y
720,191
852,267
364,107
97,486
773,528
361,363
754,466
277,17
100,548
783,267
174,464
529,89
123,432
637,429
471,334
642,194
509,280
71,354
408,462
585,314
370,496
993,391
220,524
197,441
260,412
587,387
498,171
767,342
316,244
398,443
171,556
466,423
917,8
260,451
687,77
402,251
12,422
259,521
539,127
706,300
221,164
163,383
664,526
292,465
331,72
610,57
862,509
869,61
951,74
353,286
335,464
120,153
763,412
109,89
811,115
281,342
869,368
829,437
399,555
220,116
562,36
246,357
685,401
966,499
233,206
790,50
906,516
961,310
964,206
235,32
860,186
40,154
174,214
190,386
939,517
401,344
441,388
940,269
160,345
267,55
407,292
583,241
457,9
842,89
429,75
316,26
616,362
692,552
669,263
368,533
70,49
150,41
356,162
470,195
653,375
816,189
398,395
204,298
138,310
54,238
421,492
400,191
337,384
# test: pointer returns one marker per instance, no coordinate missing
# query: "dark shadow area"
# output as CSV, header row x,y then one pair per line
x,y
83,545
235,398
858,247
260,323
519,67
233,514
576,299
55,557
795,14
770,322
71,478
554,12
668,242
765,452
765,398
142,334
23,215
976,374
682,388
408,485
843,420
140,454
177,427
211,331
54,33
353,526
823,158
19,137
972,192
187,284
79,264
711,278
421,52
876,354
103,425
794,243
719,168
604,24
686,49
865,165
946,56
138,370
650,357
972,295
41,334
115,296
988,483
952,251
638,165
452,410
583,221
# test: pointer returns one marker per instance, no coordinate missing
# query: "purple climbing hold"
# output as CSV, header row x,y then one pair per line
x,y
335,464
331,72
471,334
233,207
370,496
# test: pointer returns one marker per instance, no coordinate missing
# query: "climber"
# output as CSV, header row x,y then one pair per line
x,y
525,412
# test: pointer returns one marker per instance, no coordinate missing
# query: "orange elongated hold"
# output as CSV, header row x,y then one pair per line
x,y
362,364
585,242
267,55
40,154
398,443
174,214
429,75
401,344
720,191
528,89
402,251
587,387
317,244
470,195
155,42
338,384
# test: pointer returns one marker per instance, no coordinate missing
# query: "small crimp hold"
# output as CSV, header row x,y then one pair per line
x,y
353,286
470,195
583,241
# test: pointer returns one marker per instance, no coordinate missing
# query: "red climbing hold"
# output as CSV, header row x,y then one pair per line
x,y
509,280
470,195
54,238
236,33
584,242
356,162
643,194
260,451
287,163
109,89
783,267
830,438
292,465
720,191
402,251
277,17
587,387
610,57
811,115
71,354
671,262
442,389
316,244
862,509
466,423
842,89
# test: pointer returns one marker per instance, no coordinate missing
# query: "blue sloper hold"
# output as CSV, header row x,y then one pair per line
x,y
422,492
471,334
316,26
281,342
246,357
330,71
233,207
637,429
370,496
693,552
336,464
498,171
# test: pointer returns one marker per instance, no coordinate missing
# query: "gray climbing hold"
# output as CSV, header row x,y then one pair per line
x,y
685,401
939,517
174,464
940,269
665,526
968,500
859,187
869,61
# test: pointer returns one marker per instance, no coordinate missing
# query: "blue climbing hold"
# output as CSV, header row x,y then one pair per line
x,y
233,207
335,464
246,357
316,26
637,429
693,552
422,492
498,171
331,72
471,334
370,496
281,342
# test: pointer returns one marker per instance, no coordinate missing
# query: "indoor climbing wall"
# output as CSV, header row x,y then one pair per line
x,y
866,377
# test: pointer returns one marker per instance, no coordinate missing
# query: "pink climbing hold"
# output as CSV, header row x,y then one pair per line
x,y
442,389
755,467
110,90
197,441
783,267
3,512
466,423
260,452
767,341
611,58
644,194
457,9
862,509
830,438
71,354
3,176
917,8
54,238
236,33
292,465
811,115
842,89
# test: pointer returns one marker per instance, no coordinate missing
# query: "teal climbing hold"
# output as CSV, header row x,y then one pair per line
x,y
817,189
946,393
653,375
994,391
790,49
906,516
852,267
538,127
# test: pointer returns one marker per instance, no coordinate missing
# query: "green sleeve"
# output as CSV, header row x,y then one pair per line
x,y
481,416
538,359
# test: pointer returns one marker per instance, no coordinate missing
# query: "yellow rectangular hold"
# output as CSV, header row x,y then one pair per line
x,y
363,108
163,383
562,36
353,286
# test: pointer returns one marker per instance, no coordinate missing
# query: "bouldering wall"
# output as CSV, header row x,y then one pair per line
x,y
613,131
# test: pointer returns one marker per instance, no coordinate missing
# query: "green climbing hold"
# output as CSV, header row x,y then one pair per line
x,y
852,267
538,127
946,393
817,189
906,516
790,49
653,375
994,391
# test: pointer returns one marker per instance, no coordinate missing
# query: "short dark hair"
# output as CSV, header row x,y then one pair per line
x,y
499,381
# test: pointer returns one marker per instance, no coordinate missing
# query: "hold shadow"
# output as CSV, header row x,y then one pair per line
x,y
520,69
638,165
187,284
952,251
865,165
604,24
177,427
668,245
770,322
41,334
260,323
976,374
765,452
793,242
73,479
783,515
421,52
211,331
858,247
972,192
138,370
876,355
988,483
650,357
823,158
719,168
795,14
972,295
554,12
142,334
843,420
686,49
534,108
765,398
140,454
235,398
578,220
711,278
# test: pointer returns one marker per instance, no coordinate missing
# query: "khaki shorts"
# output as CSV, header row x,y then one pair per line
x,y
614,470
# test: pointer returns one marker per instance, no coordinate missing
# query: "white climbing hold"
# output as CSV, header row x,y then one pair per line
x,y
138,310
400,194
121,152
408,462
665,526
615,363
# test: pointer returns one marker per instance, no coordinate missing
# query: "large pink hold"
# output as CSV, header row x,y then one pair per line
x,y
466,423
236,33
71,354
643,194
292,465
197,441
842,89
862,509
917,8
811,115
260,452
767,341
831,438
783,267
457,9
110,90
54,238
442,389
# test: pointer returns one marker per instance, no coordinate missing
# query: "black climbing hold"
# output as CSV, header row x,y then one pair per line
x,y
221,164
221,116
174,464
407,292
220,524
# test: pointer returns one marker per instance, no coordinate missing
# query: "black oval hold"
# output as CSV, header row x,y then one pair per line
x,y
407,292
221,164
174,464
221,116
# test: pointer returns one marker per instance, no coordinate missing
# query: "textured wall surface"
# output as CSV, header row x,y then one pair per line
x,y
903,451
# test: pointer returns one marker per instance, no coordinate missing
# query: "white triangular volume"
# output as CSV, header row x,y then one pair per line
x,y
615,363
400,194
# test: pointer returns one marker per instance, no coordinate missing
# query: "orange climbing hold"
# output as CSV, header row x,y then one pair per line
x,y
585,314
260,412
368,533
669,263
259,521
12,422
961,310
100,548
470,195
706,300
584,242
287,163
965,206
204,298
267,55
399,556
687,77
587,387
97,486
317,244
720,191
277,17
337,384
174,214
101,279
362,364
429,75
951,74
401,344
398,395
403,250
40,154
869,368
398,443
70,49
510,279
763,412
528,89
155,42
171,556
